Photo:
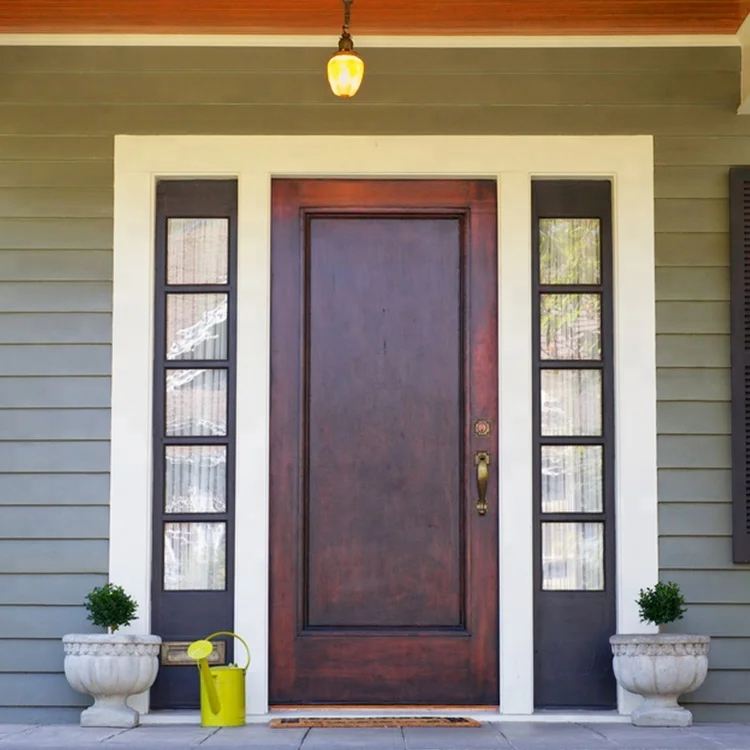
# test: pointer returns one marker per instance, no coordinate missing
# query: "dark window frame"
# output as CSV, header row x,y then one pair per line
x,y
186,615
574,199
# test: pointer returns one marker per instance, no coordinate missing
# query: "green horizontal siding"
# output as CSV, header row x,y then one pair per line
x,y
493,87
57,589
38,690
54,392
55,328
54,489
65,359
682,519
689,251
56,265
54,522
691,317
69,297
694,485
691,350
54,424
57,456
694,451
719,684
694,418
65,234
59,110
691,182
363,118
54,172
705,587
50,556
697,552
432,61
20,715
692,284
680,383
32,655
710,153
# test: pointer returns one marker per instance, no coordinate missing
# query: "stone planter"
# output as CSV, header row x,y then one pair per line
x,y
111,668
660,667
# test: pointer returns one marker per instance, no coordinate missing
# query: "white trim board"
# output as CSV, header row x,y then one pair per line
x,y
513,162
743,39
363,41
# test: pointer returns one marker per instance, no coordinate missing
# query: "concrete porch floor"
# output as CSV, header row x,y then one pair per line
x,y
491,736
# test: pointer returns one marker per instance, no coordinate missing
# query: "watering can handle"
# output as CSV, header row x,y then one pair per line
x,y
233,635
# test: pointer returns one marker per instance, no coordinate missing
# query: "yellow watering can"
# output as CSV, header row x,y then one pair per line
x,y
222,688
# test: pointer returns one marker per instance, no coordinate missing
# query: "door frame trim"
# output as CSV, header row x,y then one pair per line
x,y
511,160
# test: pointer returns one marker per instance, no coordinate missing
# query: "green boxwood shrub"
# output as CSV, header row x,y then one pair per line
x,y
110,607
662,604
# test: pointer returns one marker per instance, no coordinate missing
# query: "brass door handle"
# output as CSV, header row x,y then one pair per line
x,y
482,462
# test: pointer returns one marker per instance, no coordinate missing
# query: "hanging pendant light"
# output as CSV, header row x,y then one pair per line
x,y
346,68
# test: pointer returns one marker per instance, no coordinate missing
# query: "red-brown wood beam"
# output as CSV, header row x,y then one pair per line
x,y
548,17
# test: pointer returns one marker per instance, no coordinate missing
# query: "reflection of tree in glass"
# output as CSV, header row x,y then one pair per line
x,y
195,479
571,402
572,556
196,402
194,556
569,251
197,251
572,478
204,338
570,326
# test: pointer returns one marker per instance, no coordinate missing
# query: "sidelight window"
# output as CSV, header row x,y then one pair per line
x,y
194,395
573,439
193,350
571,370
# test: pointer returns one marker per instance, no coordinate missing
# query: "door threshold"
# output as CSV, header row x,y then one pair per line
x,y
484,714
384,707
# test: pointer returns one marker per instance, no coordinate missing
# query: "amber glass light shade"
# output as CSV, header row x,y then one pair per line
x,y
345,72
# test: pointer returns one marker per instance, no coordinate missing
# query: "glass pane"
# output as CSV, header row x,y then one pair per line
x,y
573,556
196,326
571,402
571,326
195,479
197,251
195,556
569,251
196,402
572,479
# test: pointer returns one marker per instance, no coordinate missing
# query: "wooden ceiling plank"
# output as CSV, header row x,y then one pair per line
x,y
375,17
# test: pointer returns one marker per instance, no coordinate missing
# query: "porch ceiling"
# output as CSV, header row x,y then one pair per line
x,y
528,17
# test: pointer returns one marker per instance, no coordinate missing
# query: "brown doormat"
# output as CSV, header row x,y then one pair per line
x,y
377,721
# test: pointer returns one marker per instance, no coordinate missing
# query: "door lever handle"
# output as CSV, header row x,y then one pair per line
x,y
482,462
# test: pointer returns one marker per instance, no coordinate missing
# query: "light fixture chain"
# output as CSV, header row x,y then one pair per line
x,y
347,13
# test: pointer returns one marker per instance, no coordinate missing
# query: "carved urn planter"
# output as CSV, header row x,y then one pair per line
x,y
111,668
660,667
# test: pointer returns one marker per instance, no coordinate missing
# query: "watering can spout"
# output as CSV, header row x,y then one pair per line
x,y
199,650
222,688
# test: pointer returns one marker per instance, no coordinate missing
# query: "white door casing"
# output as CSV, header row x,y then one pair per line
x,y
513,161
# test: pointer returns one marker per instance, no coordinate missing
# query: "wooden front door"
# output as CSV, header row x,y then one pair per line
x,y
384,575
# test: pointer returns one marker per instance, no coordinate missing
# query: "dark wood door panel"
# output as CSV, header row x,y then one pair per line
x,y
384,348
361,670
384,424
